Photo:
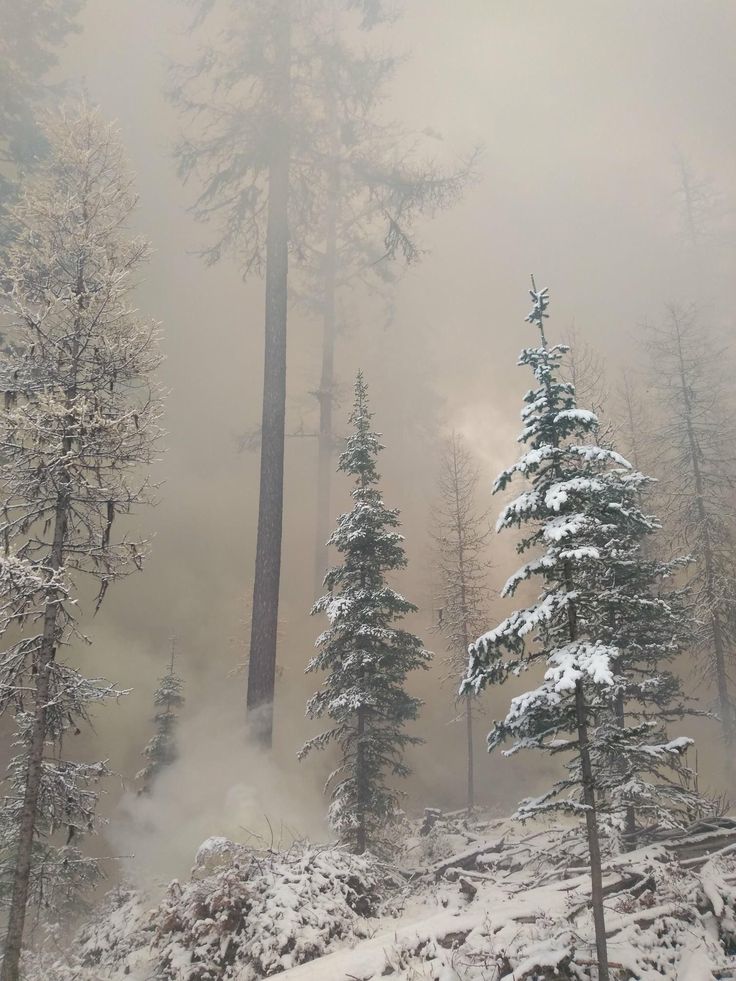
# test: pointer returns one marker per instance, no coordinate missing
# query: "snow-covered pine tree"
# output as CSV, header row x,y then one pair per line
x,y
78,431
644,620
581,515
643,774
461,533
161,750
366,657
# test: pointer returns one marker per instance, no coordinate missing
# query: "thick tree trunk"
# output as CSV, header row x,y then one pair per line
x,y
27,829
327,384
264,623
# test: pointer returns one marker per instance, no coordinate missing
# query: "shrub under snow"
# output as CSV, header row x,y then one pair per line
x,y
244,914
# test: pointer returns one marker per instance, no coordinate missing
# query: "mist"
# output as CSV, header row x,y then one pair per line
x,y
581,111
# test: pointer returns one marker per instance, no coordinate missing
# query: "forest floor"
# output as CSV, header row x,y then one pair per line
x,y
470,899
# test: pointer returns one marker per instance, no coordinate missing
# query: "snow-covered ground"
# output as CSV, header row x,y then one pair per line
x,y
474,900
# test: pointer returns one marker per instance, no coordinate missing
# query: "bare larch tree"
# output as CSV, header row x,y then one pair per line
x,y
697,466
78,432
461,532
700,205
584,368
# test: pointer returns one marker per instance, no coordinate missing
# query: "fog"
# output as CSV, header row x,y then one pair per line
x,y
582,110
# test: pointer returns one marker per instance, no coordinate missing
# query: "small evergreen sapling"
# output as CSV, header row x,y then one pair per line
x,y
366,657
161,750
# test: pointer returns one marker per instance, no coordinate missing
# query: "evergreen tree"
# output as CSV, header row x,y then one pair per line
x,y
645,622
161,750
367,658
596,626
78,430
461,535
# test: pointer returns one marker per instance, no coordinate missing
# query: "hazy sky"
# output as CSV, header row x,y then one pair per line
x,y
581,108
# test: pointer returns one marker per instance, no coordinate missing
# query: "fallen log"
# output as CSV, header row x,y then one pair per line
x,y
464,860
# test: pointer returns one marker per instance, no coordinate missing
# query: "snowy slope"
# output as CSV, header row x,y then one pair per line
x,y
482,902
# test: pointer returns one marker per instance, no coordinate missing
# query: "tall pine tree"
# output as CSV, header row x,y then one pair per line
x,y
366,656
581,516
299,173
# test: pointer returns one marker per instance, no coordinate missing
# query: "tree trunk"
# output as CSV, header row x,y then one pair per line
x,y
26,832
10,970
361,838
588,781
326,393
471,759
629,813
264,623
724,699
591,823
591,817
